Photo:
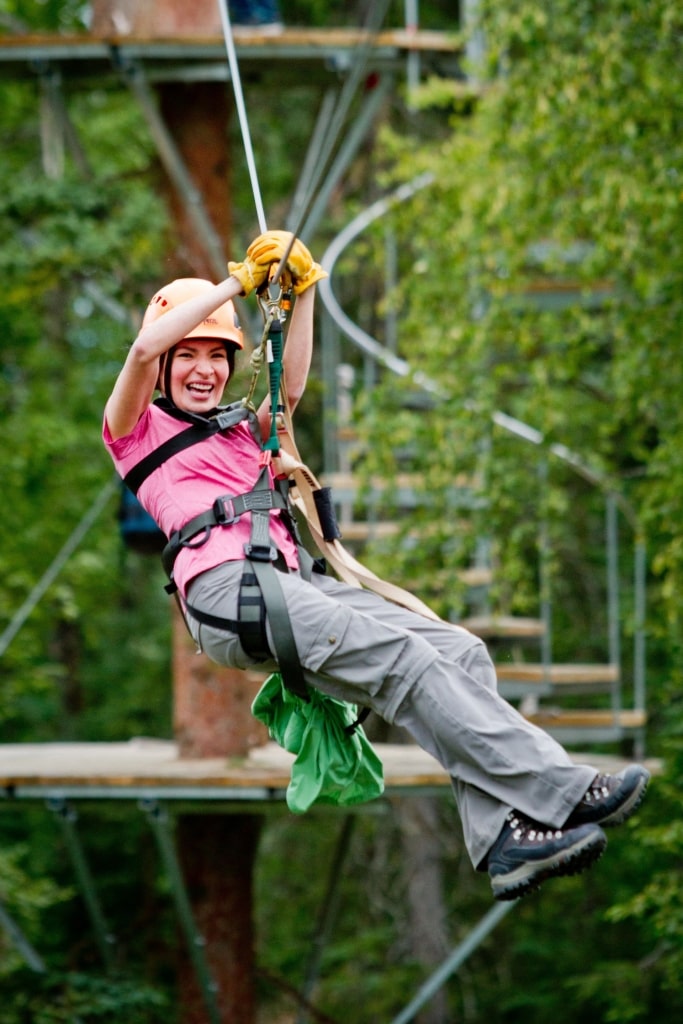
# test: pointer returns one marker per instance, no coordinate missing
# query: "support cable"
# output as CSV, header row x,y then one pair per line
x,y
58,564
242,112
374,23
311,161
347,152
453,962
17,937
67,818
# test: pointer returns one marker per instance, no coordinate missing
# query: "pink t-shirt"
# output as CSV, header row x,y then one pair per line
x,y
189,482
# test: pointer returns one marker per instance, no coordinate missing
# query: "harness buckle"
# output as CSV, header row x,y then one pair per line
x,y
260,552
224,510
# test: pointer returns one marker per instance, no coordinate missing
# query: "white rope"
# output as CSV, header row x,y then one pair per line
x,y
242,113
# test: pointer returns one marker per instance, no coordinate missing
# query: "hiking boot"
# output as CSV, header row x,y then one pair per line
x,y
611,799
527,853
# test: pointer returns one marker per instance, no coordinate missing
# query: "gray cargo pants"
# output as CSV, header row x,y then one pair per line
x,y
434,679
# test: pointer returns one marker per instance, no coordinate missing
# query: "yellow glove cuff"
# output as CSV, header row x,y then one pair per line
x,y
249,275
316,273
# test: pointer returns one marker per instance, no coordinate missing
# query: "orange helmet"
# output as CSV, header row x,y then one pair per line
x,y
222,323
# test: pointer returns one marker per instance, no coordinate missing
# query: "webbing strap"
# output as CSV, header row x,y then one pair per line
x,y
139,473
344,564
200,430
283,637
219,622
225,510
261,555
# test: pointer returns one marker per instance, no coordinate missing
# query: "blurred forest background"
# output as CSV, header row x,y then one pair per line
x,y
561,156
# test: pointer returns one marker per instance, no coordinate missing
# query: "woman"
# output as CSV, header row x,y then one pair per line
x,y
528,812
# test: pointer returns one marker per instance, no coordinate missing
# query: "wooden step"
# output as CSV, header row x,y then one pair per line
x,y
475,576
633,718
558,674
406,490
490,626
579,726
346,487
352,530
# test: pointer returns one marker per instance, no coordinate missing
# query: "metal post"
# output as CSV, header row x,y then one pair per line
x,y
412,19
613,597
454,961
329,338
158,819
390,282
67,818
544,573
639,694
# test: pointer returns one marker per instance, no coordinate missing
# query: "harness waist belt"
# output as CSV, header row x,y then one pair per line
x,y
225,511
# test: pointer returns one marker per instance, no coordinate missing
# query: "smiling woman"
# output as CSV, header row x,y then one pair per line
x,y
199,371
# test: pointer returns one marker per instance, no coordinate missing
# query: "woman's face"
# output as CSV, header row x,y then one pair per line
x,y
199,373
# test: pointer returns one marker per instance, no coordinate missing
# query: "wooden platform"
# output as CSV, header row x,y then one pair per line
x,y
322,52
150,768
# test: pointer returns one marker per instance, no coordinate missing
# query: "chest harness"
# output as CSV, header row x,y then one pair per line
x,y
260,593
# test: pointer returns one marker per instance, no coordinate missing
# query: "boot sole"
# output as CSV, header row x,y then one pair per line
x,y
529,876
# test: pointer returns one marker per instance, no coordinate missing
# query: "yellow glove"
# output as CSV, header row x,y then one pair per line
x,y
249,274
271,247
316,273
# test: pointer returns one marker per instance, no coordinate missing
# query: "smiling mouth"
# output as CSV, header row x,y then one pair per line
x,y
201,390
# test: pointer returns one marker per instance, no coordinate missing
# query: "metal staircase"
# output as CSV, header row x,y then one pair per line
x,y
581,704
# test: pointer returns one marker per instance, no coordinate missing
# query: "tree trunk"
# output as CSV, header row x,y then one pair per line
x,y
217,854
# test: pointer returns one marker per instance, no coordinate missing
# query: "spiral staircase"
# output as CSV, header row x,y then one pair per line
x,y
597,704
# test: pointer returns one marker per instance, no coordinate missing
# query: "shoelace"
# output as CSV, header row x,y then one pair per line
x,y
522,828
598,789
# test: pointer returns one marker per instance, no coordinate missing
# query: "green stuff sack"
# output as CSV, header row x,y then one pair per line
x,y
332,766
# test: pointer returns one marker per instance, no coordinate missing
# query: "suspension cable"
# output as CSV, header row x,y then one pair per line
x,y
374,22
242,113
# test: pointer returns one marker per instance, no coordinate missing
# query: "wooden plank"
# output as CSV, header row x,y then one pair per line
x,y
558,674
362,531
551,718
491,626
154,764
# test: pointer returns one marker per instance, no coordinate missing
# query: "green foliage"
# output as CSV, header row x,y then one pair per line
x,y
86,998
25,896
541,277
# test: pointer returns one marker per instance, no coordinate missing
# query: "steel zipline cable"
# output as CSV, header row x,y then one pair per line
x,y
304,196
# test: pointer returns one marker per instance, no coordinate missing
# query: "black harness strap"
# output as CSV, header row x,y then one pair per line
x,y
225,511
200,429
260,594
261,556
139,473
